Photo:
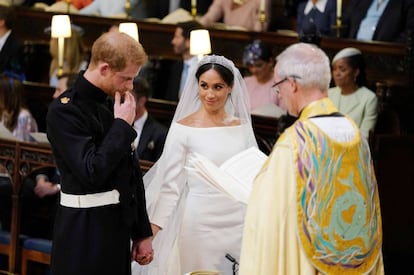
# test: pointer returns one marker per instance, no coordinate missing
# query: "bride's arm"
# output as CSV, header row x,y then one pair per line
x,y
169,179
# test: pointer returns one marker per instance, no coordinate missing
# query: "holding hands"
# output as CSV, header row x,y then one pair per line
x,y
142,251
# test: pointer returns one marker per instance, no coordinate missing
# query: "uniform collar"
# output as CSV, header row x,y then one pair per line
x,y
86,89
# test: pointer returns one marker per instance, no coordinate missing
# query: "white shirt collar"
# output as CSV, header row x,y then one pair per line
x,y
139,123
4,38
193,60
320,5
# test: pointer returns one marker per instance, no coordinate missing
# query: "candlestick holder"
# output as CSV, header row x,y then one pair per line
x,y
262,19
128,8
338,27
194,11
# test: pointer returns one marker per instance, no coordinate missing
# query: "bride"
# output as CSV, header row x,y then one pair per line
x,y
194,224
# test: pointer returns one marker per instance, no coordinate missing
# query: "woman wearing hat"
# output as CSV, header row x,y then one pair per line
x,y
258,59
350,95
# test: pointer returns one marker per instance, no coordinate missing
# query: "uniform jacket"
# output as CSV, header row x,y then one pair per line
x,y
93,153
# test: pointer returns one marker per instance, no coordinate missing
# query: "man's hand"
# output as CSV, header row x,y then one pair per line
x,y
142,251
126,109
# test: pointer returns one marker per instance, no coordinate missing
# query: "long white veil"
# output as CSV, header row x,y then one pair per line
x,y
237,106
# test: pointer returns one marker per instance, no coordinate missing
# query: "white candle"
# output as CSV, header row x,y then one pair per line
x,y
193,3
61,46
338,8
262,5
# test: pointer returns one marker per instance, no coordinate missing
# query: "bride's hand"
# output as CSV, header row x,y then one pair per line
x,y
155,228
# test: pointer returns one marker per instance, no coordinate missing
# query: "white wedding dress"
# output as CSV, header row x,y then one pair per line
x,y
199,224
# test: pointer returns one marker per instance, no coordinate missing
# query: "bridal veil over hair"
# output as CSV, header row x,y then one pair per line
x,y
237,104
237,107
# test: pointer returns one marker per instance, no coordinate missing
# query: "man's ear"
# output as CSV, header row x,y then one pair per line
x,y
294,85
104,69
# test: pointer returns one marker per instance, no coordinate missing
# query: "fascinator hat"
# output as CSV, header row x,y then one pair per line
x,y
347,52
237,104
255,51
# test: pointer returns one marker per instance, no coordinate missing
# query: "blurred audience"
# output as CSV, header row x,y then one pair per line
x,y
259,60
176,70
13,113
202,6
79,4
65,81
151,134
382,20
350,95
318,16
141,9
237,13
105,8
11,49
74,59
30,3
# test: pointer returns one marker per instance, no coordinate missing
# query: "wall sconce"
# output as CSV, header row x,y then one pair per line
x,y
200,43
61,29
129,28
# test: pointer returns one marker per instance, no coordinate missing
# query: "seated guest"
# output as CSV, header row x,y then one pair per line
x,y
174,71
79,4
151,134
141,9
350,95
382,20
318,15
65,81
258,58
105,8
13,113
237,13
202,6
11,49
39,192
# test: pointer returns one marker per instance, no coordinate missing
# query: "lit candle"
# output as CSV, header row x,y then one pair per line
x,y
61,45
262,5
194,8
338,8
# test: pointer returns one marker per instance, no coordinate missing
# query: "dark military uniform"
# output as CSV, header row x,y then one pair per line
x,y
93,153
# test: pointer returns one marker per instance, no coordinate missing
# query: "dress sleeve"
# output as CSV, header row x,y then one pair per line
x,y
166,181
370,118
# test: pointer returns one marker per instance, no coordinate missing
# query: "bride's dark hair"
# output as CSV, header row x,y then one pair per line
x,y
224,72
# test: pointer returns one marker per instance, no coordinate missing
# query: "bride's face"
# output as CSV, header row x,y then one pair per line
x,y
213,91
